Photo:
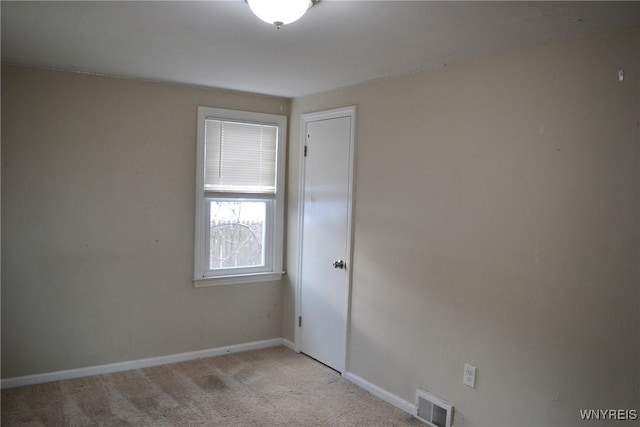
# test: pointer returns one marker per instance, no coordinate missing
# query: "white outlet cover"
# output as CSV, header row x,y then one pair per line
x,y
469,378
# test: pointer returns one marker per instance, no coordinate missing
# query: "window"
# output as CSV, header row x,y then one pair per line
x,y
239,197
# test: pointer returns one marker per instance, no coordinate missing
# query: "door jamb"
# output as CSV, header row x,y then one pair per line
x,y
304,119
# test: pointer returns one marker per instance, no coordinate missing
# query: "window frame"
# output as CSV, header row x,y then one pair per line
x,y
274,228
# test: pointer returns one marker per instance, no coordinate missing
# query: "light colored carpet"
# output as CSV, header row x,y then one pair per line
x,y
270,387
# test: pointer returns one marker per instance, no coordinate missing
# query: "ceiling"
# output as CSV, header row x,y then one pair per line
x,y
336,44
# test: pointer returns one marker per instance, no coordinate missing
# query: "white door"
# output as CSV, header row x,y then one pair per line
x,y
326,224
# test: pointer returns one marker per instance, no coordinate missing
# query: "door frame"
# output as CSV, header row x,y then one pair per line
x,y
304,119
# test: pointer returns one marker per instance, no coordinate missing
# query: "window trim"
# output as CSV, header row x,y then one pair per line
x,y
275,228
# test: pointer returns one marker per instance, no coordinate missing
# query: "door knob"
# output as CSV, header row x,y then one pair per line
x,y
338,264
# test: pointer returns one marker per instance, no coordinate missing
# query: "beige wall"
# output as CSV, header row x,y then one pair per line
x,y
98,220
496,223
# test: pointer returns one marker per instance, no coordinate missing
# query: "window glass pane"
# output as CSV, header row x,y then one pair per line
x,y
240,157
237,233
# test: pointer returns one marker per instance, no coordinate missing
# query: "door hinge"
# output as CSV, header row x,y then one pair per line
x,y
305,151
299,321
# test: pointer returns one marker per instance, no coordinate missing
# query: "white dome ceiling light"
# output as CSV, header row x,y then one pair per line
x,y
280,12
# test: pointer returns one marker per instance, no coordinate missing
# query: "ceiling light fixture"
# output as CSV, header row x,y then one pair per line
x,y
280,12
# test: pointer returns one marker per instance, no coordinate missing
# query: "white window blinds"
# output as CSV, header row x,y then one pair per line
x,y
240,157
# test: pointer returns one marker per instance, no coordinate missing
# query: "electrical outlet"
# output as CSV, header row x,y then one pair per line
x,y
469,377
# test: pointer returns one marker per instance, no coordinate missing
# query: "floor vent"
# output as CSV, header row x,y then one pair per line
x,y
432,410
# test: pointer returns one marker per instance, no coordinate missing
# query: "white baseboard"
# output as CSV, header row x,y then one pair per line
x,y
289,344
137,364
381,393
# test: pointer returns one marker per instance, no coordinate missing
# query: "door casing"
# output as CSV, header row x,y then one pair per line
x,y
306,118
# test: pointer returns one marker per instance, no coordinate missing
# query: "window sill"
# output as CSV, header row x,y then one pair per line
x,y
204,282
